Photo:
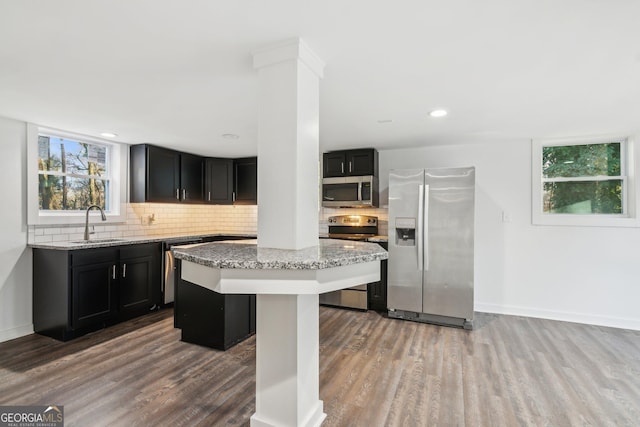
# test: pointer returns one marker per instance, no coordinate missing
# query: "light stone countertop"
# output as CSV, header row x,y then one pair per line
x,y
246,255
120,241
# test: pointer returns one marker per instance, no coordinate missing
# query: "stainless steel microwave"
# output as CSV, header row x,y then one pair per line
x,y
350,192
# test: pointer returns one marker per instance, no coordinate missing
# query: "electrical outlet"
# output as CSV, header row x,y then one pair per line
x,y
506,217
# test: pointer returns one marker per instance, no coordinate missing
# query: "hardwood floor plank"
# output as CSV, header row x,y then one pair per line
x,y
374,371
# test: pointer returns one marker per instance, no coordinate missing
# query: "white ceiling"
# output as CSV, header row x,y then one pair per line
x,y
179,73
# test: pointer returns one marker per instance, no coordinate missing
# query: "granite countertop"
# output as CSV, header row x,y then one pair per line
x,y
246,255
119,241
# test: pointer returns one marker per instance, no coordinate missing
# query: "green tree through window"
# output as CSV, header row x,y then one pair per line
x,y
583,178
72,174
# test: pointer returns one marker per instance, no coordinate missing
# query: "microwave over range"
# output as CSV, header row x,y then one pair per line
x,y
350,191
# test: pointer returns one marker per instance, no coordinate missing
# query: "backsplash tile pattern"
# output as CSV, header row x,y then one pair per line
x,y
158,219
161,219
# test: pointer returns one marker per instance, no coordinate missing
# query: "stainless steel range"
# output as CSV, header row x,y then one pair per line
x,y
350,227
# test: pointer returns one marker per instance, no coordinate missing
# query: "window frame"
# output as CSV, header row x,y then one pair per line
x,y
628,159
118,162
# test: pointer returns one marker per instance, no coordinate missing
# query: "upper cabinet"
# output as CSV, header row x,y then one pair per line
x,y
245,181
162,175
191,173
350,163
168,176
218,181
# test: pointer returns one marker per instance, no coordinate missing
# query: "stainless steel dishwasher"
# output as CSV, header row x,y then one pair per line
x,y
168,285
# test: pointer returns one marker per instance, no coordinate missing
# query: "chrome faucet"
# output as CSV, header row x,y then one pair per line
x,y
86,222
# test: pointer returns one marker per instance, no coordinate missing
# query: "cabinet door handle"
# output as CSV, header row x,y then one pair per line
x,y
178,193
124,270
342,166
184,194
350,166
209,198
113,272
233,196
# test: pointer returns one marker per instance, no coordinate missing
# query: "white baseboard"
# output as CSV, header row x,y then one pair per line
x,y
17,332
589,319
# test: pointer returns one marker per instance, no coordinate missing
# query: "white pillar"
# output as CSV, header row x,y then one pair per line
x,y
287,367
288,147
287,341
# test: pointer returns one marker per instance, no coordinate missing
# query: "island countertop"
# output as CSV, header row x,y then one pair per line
x,y
245,254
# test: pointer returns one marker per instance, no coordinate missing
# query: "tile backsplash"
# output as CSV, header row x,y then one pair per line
x,y
158,219
162,219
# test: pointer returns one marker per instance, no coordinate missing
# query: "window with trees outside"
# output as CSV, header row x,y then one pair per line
x,y
580,182
72,175
68,172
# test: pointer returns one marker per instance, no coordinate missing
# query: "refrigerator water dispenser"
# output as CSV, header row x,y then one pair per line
x,y
405,231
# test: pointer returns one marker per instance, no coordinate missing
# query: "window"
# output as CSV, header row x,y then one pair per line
x,y
72,175
582,182
69,172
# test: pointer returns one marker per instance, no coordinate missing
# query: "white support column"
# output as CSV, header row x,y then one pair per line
x,y
288,146
287,367
287,343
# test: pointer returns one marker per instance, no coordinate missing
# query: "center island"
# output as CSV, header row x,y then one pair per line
x,y
287,283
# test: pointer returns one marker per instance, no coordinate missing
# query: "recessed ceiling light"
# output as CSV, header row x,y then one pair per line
x,y
109,134
438,113
230,136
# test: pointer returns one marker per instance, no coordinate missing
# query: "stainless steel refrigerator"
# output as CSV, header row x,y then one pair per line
x,y
430,268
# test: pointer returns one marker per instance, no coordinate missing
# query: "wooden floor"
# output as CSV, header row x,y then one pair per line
x,y
374,371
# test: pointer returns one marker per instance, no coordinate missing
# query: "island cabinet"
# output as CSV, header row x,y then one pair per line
x,y
218,181
245,181
211,319
162,175
78,291
359,162
377,291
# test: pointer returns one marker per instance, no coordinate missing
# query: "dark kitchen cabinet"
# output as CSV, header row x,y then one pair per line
x,y
162,175
211,319
350,163
82,290
139,279
245,181
93,277
377,291
218,181
191,178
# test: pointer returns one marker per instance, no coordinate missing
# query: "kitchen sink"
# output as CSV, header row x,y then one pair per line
x,y
86,242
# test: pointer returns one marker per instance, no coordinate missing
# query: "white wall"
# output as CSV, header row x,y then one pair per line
x,y
580,274
15,257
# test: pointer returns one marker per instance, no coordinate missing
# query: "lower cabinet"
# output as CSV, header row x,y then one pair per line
x,y
82,290
377,291
139,283
212,319
92,296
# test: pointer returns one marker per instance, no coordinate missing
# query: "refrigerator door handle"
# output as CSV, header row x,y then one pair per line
x,y
425,220
420,225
